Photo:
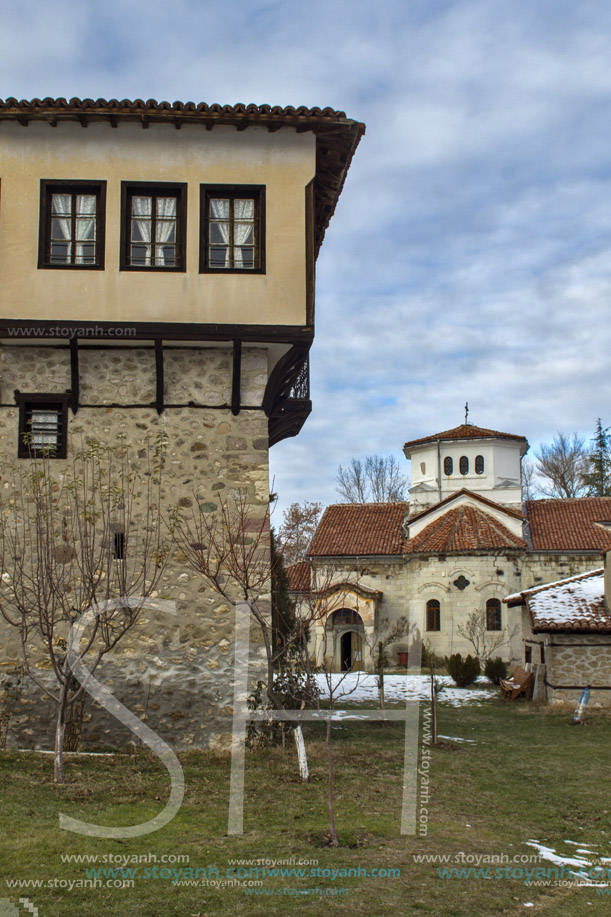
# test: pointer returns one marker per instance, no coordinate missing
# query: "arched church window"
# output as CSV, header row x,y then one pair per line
x,y
493,614
448,465
433,615
464,464
479,464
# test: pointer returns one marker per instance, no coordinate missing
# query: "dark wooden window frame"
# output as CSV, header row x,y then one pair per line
x,y
48,187
433,615
27,404
233,192
178,190
479,464
463,464
494,621
448,465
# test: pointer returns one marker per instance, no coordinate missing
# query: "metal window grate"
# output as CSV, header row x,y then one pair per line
x,y
493,614
433,615
301,386
42,429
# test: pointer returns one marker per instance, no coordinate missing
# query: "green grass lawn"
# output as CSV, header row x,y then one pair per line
x,y
527,775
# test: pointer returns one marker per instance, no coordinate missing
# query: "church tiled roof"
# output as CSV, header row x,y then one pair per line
x,y
299,576
462,530
465,431
359,529
570,525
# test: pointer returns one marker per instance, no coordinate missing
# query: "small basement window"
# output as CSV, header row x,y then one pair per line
x,y
43,426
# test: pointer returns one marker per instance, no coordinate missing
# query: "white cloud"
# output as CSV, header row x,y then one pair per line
x,y
470,254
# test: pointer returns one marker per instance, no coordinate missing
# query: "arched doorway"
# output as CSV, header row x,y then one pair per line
x,y
345,632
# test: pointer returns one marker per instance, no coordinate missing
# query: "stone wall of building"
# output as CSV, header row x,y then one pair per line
x,y
462,584
547,567
176,673
577,660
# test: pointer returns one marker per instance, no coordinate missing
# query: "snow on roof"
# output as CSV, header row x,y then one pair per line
x,y
575,604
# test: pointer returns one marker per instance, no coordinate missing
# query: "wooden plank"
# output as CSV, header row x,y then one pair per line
x,y
236,378
159,375
74,375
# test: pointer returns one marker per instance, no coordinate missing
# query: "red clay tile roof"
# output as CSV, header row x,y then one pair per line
x,y
337,136
299,576
569,525
573,605
464,431
359,529
462,530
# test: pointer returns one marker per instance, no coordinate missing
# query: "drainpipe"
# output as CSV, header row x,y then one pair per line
x,y
439,468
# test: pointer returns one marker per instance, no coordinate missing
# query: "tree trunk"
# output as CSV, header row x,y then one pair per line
x,y
301,755
334,840
60,730
381,678
433,710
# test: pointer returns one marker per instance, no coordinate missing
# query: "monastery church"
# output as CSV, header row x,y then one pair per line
x,y
461,545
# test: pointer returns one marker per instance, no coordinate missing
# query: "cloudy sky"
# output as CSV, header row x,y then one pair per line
x,y
470,254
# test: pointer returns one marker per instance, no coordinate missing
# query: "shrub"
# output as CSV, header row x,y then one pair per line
x,y
291,689
428,657
463,671
495,669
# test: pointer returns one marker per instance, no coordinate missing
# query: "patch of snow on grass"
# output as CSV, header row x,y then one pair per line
x,y
550,854
456,739
359,687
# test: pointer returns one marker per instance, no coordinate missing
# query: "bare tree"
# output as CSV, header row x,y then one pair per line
x,y
379,479
230,549
299,522
562,464
485,642
530,485
86,535
351,482
383,635
315,607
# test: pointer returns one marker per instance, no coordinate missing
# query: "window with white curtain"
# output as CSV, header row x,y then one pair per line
x,y
72,225
232,228
153,232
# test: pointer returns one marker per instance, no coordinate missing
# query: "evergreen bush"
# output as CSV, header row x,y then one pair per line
x,y
463,671
495,669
